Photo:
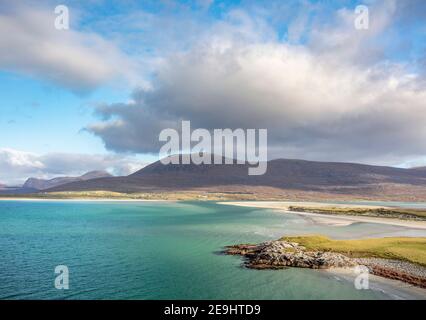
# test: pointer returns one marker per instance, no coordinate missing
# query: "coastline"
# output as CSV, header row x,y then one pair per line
x,y
283,206
83,200
388,284
297,252
378,283
279,206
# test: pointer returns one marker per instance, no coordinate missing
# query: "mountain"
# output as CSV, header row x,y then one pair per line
x,y
5,189
420,170
42,184
297,176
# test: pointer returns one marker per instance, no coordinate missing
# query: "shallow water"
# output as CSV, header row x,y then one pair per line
x,y
159,250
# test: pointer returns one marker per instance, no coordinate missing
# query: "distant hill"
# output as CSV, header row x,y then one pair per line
x,y
4,190
282,174
42,184
420,170
16,191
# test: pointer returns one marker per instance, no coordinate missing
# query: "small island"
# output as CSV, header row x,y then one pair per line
x,y
401,258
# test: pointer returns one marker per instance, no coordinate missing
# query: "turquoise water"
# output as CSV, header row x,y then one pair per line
x,y
159,250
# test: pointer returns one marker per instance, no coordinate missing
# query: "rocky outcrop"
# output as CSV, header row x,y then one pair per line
x,y
281,254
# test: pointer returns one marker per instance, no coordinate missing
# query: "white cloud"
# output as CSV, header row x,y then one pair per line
x,y
335,98
16,165
312,107
340,40
31,45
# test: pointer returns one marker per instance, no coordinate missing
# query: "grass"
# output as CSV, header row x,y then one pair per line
x,y
400,248
397,213
100,194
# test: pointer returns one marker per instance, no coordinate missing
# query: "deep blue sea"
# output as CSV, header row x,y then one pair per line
x,y
163,250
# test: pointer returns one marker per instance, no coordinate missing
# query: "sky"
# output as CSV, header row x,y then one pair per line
x,y
97,95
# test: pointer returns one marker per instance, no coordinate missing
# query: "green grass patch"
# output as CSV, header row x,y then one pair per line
x,y
396,213
400,248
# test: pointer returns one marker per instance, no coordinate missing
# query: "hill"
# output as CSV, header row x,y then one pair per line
x,y
42,184
283,177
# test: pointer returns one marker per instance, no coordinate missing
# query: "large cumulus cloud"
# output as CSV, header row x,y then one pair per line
x,y
338,94
312,108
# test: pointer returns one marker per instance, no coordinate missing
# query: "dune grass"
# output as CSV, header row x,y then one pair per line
x,y
400,248
381,212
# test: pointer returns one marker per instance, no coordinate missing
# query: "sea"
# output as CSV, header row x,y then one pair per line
x,y
167,250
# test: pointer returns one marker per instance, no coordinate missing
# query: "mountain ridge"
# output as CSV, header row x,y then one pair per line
x,y
43,184
281,175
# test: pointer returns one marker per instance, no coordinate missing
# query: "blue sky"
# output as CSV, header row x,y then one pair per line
x,y
126,69
33,113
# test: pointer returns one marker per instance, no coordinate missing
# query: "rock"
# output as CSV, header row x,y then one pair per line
x,y
281,254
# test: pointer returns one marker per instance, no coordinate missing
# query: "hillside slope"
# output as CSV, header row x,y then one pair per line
x,y
282,174
43,184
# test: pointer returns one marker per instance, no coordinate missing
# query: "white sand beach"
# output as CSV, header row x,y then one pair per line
x,y
336,220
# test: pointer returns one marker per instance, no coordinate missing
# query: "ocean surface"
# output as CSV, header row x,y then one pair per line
x,y
166,250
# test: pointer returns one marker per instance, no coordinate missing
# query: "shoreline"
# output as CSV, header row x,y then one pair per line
x,y
377,283
84,200
337,220
279,206
289,252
